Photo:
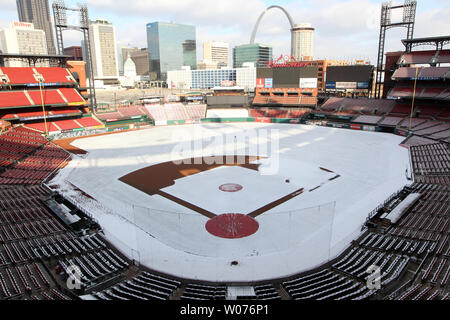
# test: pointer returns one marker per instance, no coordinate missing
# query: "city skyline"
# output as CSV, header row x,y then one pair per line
x,y
38,13
337,37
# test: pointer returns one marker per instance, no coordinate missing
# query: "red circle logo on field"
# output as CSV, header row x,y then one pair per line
x,y
231,187
232,226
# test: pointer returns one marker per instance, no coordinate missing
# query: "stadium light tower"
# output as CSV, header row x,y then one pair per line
x,y
60,15
407,21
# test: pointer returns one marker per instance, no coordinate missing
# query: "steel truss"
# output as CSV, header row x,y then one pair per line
x,y
60,16
408,22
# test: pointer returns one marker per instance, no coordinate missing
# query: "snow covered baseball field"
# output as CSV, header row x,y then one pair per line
x,y
343,175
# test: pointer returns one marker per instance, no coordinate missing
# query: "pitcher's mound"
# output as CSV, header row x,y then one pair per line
x,y
230,187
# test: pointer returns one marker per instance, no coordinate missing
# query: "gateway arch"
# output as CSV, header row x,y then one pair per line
x,y
291,22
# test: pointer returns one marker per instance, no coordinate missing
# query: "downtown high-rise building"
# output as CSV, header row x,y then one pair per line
x,y
37,12
258,54
217,52
303,42
141,59
102,35
75,53
23,38
170,47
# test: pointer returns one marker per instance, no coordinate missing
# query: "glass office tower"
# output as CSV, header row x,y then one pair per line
x,y
170,47
257,53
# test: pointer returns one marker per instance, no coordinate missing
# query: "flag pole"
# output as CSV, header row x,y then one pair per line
x,y
43,107
413,99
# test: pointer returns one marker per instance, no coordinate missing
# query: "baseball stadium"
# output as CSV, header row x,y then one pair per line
x,y
290,193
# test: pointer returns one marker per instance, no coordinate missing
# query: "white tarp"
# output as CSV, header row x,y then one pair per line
x,y
371,167
402,207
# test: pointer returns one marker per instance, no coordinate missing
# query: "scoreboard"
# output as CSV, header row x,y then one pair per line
x,y
289,77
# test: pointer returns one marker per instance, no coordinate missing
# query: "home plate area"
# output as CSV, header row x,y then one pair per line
x,y
199,184
232,226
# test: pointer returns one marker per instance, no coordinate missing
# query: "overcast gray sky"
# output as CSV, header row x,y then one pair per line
x,y
345,29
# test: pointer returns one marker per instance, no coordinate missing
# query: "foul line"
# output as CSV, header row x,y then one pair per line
x,y
275,203
186,204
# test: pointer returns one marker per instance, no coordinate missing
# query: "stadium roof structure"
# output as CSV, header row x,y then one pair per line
x,y
439,42
33,58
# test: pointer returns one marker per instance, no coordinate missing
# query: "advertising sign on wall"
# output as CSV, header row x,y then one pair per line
x,y
362,85
308,83
268,83
331,85
260,83
345,85
227,83
49,84
263,120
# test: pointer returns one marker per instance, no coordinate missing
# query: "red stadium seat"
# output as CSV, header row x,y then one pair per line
x,y
156,112
273,113
64,110
257,113
429,110
434,72
66,124
31,112
50,97
131,111
417,57
403,92
404,73
445,113
88,122
444,56
10,99
196,112
72,95
430,92
109,116
175,111
19,75
298,113
8,115
309,101
260,99
292,100
41,126
401,109
391,121
55,75
332,104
